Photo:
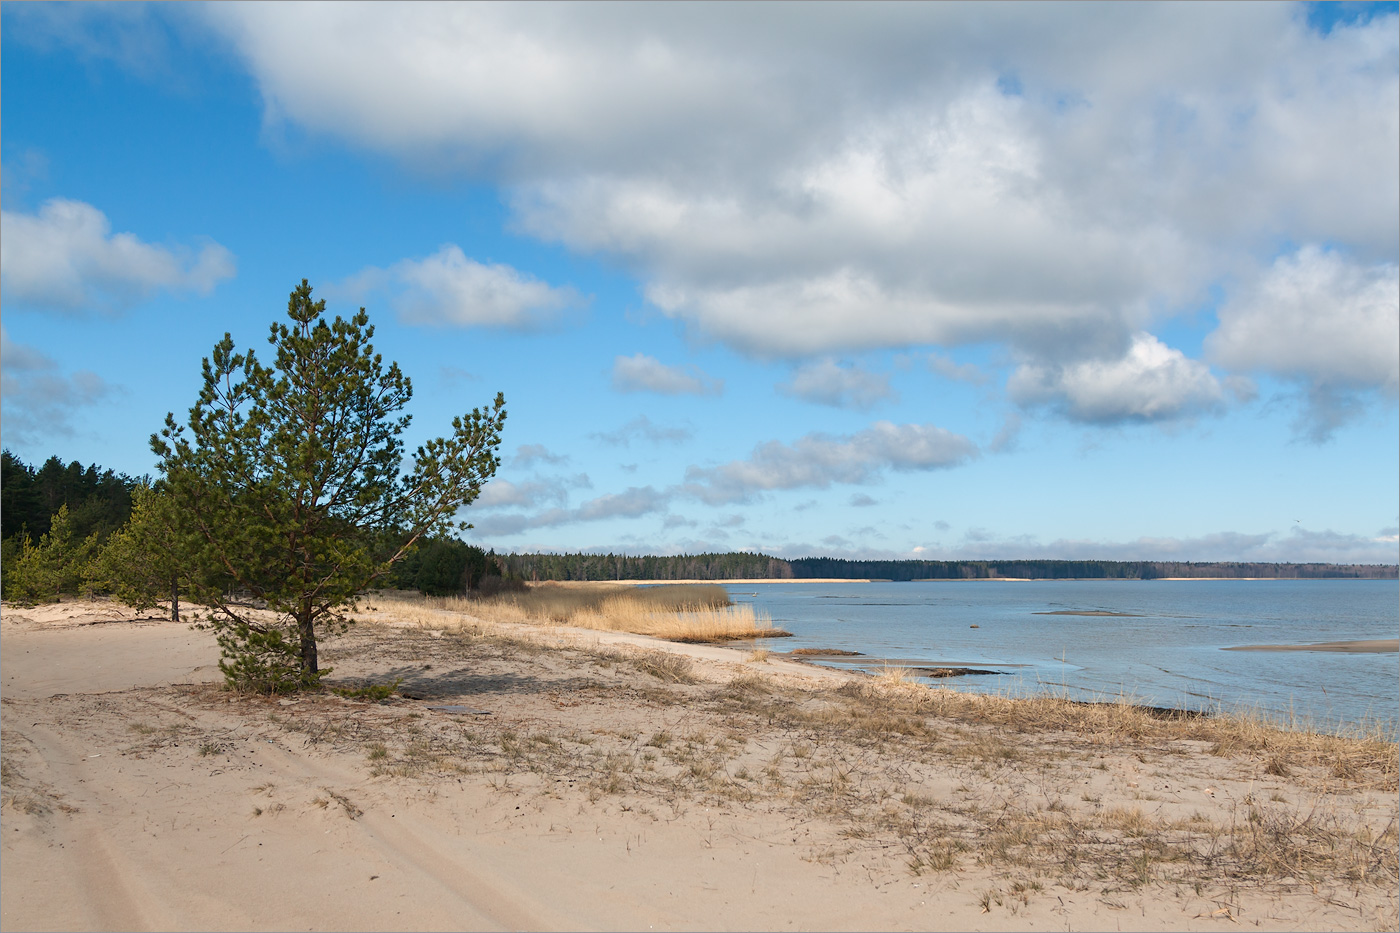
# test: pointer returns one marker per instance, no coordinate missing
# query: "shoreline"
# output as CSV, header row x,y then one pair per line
x,y
736,582
748,581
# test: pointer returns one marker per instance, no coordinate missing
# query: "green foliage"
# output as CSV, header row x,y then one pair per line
x,y
142,562
448,567
98,500
288,482
263,659
51,569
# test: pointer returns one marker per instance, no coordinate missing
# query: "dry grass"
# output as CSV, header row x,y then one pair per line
x,y
1366,749
694,613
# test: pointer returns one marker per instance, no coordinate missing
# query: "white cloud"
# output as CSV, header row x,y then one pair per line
x,y
813,181
1322,319
1152,382
644,428
642,373
38,400
826,382
819,460
634,502
66,257
448,289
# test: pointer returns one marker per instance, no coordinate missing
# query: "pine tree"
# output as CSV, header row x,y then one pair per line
x,y
288,481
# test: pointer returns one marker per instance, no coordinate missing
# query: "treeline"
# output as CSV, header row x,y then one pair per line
x,y
98,500
745,565
817,567
736,565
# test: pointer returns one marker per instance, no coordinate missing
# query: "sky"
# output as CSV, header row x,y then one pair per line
x,y
1105,281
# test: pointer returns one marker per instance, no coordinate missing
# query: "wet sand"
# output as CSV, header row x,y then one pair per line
x,y
1370,646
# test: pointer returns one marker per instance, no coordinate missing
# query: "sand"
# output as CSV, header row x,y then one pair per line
x,y
598,792
1367,646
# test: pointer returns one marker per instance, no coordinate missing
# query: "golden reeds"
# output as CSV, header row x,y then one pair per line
x,y
683,612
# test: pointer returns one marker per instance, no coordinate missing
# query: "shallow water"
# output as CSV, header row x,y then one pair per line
x,y
1166,650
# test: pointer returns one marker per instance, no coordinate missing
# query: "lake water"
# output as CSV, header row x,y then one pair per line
x,y
1165,650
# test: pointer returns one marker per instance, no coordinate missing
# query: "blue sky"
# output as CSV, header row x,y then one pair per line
x,y
872,281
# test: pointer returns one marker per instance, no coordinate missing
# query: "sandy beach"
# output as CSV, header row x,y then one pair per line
x,y
539,777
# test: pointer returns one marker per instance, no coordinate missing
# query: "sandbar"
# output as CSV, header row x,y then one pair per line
x,y
1365,646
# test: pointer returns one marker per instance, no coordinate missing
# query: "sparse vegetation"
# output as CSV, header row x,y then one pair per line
x,y
372,693
1045,792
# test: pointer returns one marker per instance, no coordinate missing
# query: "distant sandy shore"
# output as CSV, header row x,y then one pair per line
x,y
535,777
740,582
1372,646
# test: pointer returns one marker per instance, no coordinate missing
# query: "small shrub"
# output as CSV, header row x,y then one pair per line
x,y
262,661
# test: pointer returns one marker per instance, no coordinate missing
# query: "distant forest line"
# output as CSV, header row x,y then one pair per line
x,y
740,565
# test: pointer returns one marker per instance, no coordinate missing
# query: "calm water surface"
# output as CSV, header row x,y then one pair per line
x,y
1165,650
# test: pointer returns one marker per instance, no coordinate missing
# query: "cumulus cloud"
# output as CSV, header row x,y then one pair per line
x,y
633,502
38,399
826,382
813,181
65,257
1152,382
1322,319
642,373
502,493
449,289
819,460
643,428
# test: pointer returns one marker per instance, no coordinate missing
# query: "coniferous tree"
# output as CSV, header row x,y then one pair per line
x,y
288,477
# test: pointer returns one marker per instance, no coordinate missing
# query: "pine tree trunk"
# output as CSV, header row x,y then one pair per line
x,y
309,667
174,598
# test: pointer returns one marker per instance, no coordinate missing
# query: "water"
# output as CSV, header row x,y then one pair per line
x,y
1165,650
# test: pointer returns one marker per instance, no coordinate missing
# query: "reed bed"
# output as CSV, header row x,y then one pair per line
x,y
693,613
